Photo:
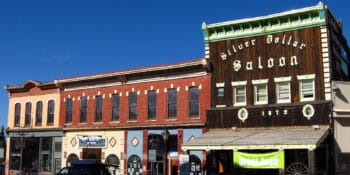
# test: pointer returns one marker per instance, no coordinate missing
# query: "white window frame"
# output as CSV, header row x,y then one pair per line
x,y
236,85
257,83
302,79
220,86
279,82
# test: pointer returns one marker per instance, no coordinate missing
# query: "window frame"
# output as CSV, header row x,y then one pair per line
x,y
193,102
152,105
28,114
115,109
83,109
69,110
39,113
235,85
260,83
17,117
283,81
50,112
98,108
306,78
172,102
132,115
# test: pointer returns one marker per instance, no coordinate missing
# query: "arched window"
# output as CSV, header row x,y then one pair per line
x,y
17,114
50,112
28,115
39,113
70,158
134,165
112,160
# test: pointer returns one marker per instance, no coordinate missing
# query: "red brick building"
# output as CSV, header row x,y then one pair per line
x,y
120,117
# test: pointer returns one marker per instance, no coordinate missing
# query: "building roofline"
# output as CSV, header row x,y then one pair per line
x,y
197,62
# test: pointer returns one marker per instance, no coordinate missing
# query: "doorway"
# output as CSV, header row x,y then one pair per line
x,y
92,153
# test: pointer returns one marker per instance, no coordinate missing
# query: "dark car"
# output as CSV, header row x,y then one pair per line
x,y
88,167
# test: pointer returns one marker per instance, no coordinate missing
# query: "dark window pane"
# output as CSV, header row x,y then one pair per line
x,y
17,114
132,106
39,113
28,114
194,101
83,109
51,112
15,153
172,103
98,108
69,106
152,105
115,107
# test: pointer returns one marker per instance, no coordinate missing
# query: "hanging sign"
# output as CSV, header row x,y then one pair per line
x,y
273,160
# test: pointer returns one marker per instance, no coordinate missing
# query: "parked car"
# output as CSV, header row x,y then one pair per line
x,y
88,167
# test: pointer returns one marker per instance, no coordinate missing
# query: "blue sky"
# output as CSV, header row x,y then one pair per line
x,y
44,40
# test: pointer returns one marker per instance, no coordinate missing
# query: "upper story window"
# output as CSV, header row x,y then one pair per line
x,y
132,106
98,108
69,108
239,93
39,113
220,87
283,94
83,110
260,91
115,107
17,114
172,103
51,112
152,105
28,114
193,99
307,87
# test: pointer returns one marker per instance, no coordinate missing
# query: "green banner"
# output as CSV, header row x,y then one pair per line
x,y
273,160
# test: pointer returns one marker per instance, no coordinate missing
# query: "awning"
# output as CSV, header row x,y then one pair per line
x,y
290,138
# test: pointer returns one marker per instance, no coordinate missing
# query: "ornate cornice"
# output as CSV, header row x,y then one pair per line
x,y
284,21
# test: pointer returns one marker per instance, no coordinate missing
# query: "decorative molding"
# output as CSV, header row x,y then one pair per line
x,y
279,22
238,83
283,79
262,81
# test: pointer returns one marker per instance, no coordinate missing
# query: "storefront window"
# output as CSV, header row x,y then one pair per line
x,y
45,157
15,153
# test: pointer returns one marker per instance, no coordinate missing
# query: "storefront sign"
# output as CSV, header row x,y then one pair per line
x,y
274,160
184,164
92,142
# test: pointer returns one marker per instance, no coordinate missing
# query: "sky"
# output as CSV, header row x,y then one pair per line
x,y
44,40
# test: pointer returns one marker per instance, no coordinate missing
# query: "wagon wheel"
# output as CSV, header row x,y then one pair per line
x,y
297,169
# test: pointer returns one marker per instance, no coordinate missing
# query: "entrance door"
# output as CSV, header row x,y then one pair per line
x,y
92,153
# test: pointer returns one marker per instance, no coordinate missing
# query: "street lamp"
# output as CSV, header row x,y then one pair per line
x,y
165,134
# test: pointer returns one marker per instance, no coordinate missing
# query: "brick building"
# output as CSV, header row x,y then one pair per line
x,y
119,117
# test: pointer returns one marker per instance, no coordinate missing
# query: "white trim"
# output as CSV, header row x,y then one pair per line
x,y
255,95
235,103
220,106
261,81
220,84
239,83
282,79
301,93
278,94
306,77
